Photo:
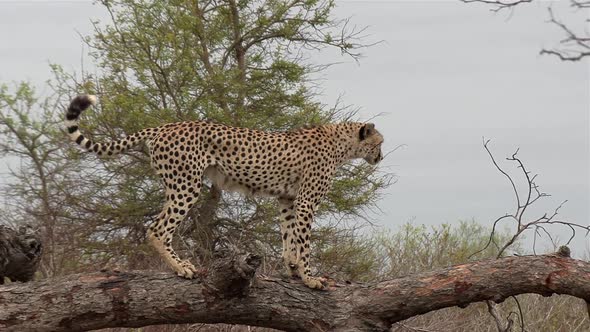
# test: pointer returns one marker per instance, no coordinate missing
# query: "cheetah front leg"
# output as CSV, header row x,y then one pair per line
x,y
302,235
288,222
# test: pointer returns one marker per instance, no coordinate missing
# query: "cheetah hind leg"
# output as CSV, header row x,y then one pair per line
x,y
160,237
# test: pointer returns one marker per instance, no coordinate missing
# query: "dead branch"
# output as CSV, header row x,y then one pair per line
x,y
574,47
523,202
498,5
132,299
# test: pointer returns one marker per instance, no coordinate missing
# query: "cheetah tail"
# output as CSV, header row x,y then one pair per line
x,y
82,103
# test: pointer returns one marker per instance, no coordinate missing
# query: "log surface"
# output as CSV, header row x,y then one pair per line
x,y
232,295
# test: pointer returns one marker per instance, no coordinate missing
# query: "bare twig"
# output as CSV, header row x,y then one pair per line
x,y
499,321
574,47
520,314
533,194
498,5
523,202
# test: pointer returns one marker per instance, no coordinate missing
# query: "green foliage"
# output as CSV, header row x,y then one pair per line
x,y
227,62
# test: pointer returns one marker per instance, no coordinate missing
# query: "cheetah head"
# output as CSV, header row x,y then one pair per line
x,y
369,147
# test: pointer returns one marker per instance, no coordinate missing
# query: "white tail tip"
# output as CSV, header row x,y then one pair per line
x,y
93,99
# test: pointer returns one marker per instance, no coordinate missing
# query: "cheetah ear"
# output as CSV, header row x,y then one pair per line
x,y
367,130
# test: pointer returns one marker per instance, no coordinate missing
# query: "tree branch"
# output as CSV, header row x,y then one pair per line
x,y
498,5
574,47
230,294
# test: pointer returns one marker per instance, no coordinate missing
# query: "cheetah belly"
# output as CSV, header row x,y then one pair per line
x,y
227,183
224,182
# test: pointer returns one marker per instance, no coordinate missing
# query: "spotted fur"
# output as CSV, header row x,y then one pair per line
x,y
296,167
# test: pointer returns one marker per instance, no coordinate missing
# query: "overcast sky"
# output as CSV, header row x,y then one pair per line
x,y
445,75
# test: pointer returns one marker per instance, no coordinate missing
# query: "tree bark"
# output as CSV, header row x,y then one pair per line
x,y
231,294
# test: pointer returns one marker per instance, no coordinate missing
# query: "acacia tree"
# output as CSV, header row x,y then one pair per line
x,y
242,63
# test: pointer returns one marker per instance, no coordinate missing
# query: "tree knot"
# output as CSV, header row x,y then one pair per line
x,y
564,251
231,273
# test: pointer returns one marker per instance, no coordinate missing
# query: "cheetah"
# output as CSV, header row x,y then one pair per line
x,y
295,166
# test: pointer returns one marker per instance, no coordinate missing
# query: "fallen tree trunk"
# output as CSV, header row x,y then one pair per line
x,y
231,294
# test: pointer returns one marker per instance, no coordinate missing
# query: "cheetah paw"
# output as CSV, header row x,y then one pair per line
x,y
187,270
316,283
